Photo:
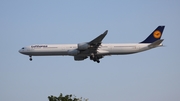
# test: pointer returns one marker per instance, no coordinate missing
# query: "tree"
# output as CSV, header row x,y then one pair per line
x,y
65,98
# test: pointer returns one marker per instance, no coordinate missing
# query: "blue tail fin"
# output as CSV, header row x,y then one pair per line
x,y
155,35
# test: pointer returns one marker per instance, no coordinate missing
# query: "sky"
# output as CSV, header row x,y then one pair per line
x,y
153,75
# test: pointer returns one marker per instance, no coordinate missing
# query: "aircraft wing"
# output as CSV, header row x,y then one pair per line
x,y
98,39
95,43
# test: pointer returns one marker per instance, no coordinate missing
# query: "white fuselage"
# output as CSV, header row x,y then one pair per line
x,y
63,49
95,49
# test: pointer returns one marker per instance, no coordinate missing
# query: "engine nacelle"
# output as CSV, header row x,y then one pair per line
x,y
73,52
79,58
83,46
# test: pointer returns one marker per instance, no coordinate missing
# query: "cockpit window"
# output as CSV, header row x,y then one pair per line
x,y
23,48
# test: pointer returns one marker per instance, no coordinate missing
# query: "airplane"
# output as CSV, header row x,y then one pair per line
x,y
94,49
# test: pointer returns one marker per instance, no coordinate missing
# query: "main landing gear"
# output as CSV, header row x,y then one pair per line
x,y
94,58
97,61
30,58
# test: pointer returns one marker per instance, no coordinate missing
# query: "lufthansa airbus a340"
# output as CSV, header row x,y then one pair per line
x,y
95,49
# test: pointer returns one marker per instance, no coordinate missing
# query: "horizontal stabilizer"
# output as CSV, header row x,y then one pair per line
x,y
156,43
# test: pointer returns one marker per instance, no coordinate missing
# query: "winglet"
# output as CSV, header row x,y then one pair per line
x,y
155,35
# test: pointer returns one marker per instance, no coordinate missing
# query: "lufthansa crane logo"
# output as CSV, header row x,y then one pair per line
x,y
157,34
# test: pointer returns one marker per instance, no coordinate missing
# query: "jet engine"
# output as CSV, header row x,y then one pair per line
x,y
83,46
80,58
73,52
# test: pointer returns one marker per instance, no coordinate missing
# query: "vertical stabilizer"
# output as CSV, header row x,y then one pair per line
x,y
155,35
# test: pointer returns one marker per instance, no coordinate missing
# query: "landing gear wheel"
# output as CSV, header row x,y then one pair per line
x,y
30,58
92,56
98,61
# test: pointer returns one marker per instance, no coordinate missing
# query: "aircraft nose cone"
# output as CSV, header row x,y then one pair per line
x,y
20,51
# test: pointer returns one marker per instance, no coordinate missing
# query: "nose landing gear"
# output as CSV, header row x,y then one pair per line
x,y
30,58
